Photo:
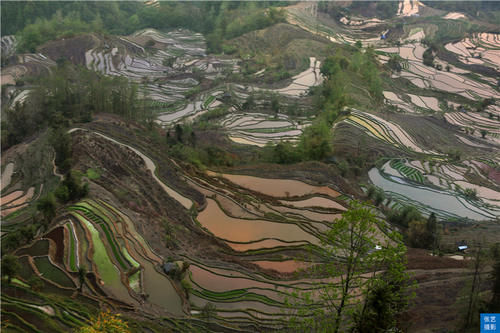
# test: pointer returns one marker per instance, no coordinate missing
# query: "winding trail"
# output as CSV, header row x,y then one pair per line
x,y
54,168
185,202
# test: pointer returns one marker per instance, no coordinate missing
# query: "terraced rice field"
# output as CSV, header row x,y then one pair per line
x,y
185,202
73,248
315,202
248,231
190,111
304,15
51,272
471,120
409,7
241,296
7,175
385,131
407,171
428,77
118,250
108,272
454,16
277,187
259,129
263,234
302,82
417,102
17,200
441,190
481,48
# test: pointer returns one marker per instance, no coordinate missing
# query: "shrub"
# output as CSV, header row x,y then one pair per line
x,y
106,323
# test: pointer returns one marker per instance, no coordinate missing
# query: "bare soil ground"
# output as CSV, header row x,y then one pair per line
x,y
72,49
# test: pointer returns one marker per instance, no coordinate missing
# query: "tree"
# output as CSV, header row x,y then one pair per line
x,y
428,57
473,300
394,63
10,266
275,104
484,133
178,132
404,216
82,272
494,304
432,229
352,263
315,141
387,296
208,312
36,283
249,102
470,193
418,235
47,206
379,197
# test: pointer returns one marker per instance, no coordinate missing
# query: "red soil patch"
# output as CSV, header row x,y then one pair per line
x,y
421,259
57,235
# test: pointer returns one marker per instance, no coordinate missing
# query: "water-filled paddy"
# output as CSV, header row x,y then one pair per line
x,y
435,199
315,202
240,230
108,272
160,290
277,187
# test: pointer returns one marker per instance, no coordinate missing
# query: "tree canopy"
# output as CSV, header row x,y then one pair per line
x,y
358,261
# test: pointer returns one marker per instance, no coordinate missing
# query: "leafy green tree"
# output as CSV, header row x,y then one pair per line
x,y
285,153
47,206
10,267
404,216
387,296
428,57
330,67
352,263
432,229
315,142
394,63
35,283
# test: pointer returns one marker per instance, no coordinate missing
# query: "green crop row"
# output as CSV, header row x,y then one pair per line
x,y
72,248
105,227
408,172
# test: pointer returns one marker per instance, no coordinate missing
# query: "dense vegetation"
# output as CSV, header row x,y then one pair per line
x,y
36,24
341,74
70,94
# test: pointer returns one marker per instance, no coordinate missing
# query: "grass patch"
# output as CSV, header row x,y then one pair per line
x,y
93,173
